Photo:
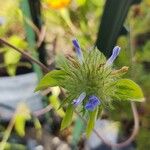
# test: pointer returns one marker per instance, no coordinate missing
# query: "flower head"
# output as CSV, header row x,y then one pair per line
x,y
78,50
114,55
92,103
79,100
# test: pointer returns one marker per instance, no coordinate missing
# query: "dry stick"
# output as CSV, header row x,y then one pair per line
x,y
32,25
26,55
42,111
40,33
7,132
48,108
41,36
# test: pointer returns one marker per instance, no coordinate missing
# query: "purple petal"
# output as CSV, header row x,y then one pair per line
x,y
81,97
89,106
114,55
78,50
92,103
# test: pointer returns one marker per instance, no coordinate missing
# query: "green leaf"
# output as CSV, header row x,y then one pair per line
x,y
51,79
12,57
129,90
114,15
68,117
91,122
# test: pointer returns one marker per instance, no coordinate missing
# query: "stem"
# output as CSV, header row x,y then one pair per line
x,y
48,108
42,111
26,55
7,132
132,136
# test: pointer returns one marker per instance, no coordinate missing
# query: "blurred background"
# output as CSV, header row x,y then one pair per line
x,y
44,29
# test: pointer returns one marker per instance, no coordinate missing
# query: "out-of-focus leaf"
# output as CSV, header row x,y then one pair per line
x,y
12,57
17,41
66,16
15,146
111,25
51,79
144,54
21,116
38,127
91,122
129,90
80,2
55,103
68,117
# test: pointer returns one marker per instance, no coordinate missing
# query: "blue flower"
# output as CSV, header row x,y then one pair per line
x,y
92,103
79,100
114,55
78,50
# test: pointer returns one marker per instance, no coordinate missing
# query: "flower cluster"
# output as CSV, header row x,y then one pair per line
x,y
93,101
91,84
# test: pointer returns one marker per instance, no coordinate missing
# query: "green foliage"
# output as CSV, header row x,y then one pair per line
x,y
121,111
68,117
13,18
81,2
55,101
144,54
12,57
51,79
143,142
138,13
91,122
21,116
129,90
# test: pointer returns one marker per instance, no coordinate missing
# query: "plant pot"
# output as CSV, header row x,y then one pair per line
x,y
17,89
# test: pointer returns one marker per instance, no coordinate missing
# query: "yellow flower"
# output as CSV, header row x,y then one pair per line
x,y
57,4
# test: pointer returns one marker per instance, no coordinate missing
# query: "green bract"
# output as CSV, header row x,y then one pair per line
x,y
93,77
